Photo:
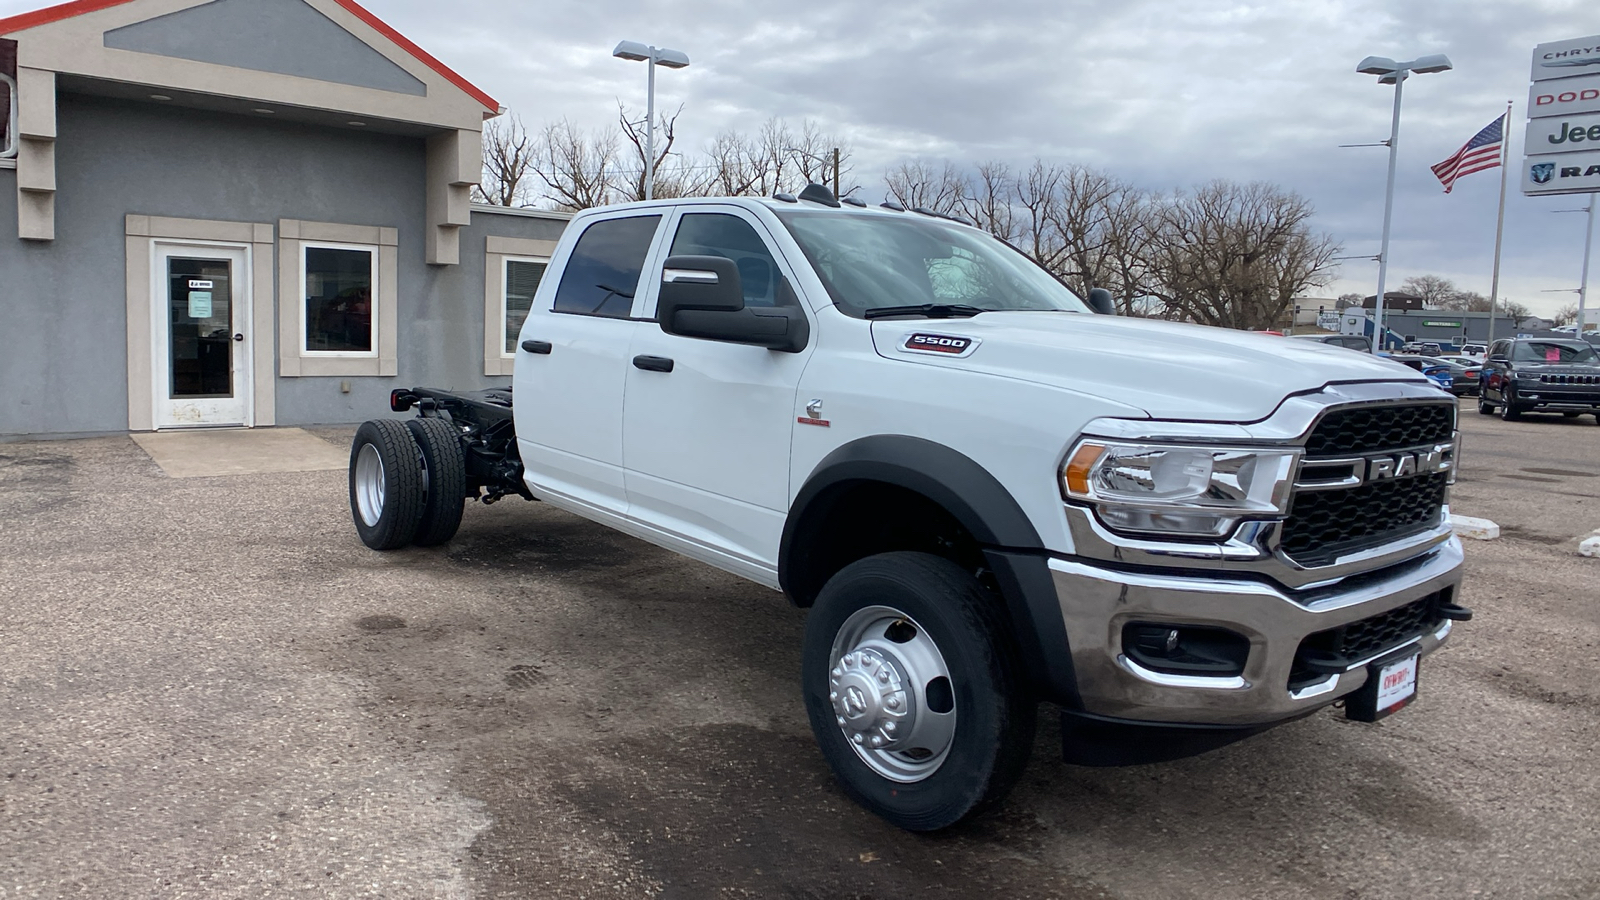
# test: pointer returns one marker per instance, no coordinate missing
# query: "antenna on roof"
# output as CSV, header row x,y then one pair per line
x,y
818,193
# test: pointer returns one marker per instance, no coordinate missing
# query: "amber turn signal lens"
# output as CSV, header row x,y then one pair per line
x,y
1080,465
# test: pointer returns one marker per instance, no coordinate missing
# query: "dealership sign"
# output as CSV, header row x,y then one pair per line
x,y
1563,134
1569,173
1563,58
1565,97
1562,150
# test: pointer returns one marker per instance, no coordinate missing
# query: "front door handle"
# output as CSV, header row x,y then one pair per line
x,y
536,346
238,337
653,363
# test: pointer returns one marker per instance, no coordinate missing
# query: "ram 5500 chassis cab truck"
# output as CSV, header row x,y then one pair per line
x,y
986,494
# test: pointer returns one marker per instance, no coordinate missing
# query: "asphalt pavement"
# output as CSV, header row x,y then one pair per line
x,y
210,688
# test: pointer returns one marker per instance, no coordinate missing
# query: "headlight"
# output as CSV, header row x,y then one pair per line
x,y
1178,490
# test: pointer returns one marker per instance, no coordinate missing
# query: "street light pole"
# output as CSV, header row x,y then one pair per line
x,y
1388,214
654,56
1583,283
1389,71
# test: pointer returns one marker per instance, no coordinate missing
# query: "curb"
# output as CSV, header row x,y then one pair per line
x,y
1476,529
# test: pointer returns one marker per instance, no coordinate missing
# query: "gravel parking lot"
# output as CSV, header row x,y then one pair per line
x,y
210,688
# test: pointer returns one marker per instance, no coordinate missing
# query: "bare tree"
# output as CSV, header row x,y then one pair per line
x,y
577,167
1346,301
674,176
1236,255
918,185
508,156
1566,315
1436,292
986,201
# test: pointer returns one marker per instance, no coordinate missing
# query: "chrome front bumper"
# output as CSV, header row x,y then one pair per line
x,y
1096,602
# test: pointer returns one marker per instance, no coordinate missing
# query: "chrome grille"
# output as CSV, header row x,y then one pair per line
x,y
1569,379
1325,524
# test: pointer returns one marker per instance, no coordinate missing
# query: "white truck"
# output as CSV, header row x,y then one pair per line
x,y
987,494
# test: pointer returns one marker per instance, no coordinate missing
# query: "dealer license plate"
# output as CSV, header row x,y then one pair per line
x,y
1397,684
1390,688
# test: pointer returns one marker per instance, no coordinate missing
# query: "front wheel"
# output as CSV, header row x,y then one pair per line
x,y
1508,408
913,692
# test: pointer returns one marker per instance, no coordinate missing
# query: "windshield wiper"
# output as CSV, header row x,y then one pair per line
x,y
930,310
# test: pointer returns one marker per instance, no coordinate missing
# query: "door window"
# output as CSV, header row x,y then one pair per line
x,y
730,237
603,272
200,328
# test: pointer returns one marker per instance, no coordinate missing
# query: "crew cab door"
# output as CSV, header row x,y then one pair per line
x,y
706,445
572,366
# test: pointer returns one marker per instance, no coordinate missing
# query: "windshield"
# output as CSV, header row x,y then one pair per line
x,y
873,262
1552,352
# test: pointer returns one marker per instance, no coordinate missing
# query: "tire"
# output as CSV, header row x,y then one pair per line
x,y
886,613
1485,408
386,493
1508,409
444,480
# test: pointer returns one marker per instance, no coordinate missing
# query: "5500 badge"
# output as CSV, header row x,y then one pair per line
x,y
941,344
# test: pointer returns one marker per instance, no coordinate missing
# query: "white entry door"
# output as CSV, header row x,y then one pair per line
x,y
201,298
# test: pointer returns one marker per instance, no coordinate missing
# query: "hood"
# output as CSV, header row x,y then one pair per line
x,y
1168,369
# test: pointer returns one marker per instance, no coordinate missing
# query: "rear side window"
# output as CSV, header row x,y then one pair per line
x,y
603,272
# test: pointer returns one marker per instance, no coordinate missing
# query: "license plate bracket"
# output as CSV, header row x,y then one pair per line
x,y
1391,686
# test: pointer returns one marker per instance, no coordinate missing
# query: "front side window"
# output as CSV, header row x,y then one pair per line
x,y
730,237
603,272
522,282
874,261
338,298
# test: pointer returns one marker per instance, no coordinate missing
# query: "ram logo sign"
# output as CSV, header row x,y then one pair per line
x,y
1405,465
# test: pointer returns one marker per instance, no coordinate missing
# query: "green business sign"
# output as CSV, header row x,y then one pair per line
x,y
1438,324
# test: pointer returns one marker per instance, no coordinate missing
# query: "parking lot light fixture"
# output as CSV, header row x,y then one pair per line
x,y
1395,73
654,56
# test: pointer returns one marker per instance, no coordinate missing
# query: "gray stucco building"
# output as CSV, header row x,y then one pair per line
x,y
242,212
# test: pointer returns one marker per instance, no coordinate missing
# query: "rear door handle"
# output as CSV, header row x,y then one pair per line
x,y
536,346
653,363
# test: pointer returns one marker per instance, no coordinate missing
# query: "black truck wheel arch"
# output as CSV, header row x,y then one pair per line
x,y
983,507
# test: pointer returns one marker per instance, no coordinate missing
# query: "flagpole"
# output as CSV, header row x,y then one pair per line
x,y
1500,222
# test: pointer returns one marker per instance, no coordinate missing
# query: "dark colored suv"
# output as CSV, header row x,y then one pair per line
x,y
1541,375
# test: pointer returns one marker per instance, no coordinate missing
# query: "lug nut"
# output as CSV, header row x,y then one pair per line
x,y
833,695
836,672
857,738
893,702
889,727
877,741
840,720
883,675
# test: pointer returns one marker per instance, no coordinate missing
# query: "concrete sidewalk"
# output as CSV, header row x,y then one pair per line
x,y
240,451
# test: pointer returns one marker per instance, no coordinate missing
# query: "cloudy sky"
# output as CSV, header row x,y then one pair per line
x,y
1164,93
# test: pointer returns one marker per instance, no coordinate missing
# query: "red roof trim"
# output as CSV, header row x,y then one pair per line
x,y
55,14
80,7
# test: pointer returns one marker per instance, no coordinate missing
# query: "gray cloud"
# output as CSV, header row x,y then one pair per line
x,y
1165,94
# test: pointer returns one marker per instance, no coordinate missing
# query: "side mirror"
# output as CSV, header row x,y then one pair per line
x,y
702,297
1101,301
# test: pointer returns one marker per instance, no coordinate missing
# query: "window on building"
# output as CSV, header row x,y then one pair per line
x,y
339,286
603,273
522,282
8,99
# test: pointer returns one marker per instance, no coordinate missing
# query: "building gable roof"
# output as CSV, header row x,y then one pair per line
x,y
383,32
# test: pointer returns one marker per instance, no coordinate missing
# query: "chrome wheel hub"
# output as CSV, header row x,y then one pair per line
x,y
369,485
891,694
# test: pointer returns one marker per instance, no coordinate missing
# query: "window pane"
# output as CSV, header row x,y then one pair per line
x,y
603,273
338,299
716,234
522,282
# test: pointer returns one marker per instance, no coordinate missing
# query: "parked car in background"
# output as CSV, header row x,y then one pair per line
x,y
1474,350
1541,375
1348,341
1435,370
1464,371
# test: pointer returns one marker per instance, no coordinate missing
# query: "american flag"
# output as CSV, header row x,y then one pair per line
x,y
1482,152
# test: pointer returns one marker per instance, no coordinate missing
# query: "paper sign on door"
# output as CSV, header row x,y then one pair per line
x,y
199,304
